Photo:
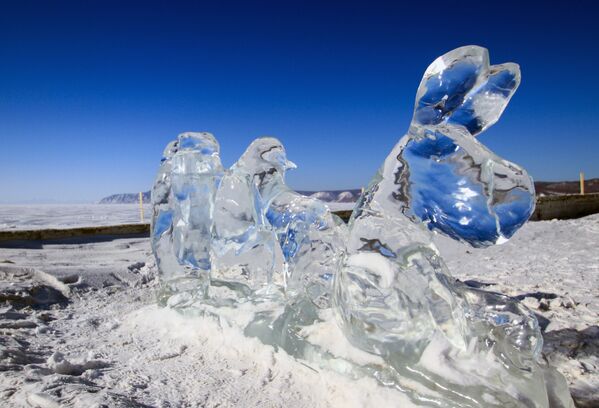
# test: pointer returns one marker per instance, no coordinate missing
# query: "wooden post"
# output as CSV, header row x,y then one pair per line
x,y
581,183
141,207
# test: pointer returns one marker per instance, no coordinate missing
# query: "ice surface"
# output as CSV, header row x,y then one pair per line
x,y
293,265
310,236
246,251
183,199
394,295
255,236
443,175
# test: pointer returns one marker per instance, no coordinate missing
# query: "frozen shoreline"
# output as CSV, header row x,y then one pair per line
x,y
26,217
111,345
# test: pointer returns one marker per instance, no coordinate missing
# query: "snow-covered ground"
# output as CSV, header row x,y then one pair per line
x,y
38,216
109,344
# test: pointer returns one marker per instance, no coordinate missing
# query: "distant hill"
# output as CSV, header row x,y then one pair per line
x,y
348,196
566,187
335,196
125,198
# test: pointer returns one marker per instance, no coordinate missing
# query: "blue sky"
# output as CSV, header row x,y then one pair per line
x,y
90,92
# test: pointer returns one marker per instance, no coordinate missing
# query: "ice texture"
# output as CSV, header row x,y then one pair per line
x,y
394,296
373,298
444,176
310,236
182,226
162,220
246,251
261,225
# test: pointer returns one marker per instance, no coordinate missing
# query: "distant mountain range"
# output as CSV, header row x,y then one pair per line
x,y
125,198
334,196
349,196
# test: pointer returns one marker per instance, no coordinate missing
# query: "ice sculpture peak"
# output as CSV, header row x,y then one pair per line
x,y
263,155
201,142
462,88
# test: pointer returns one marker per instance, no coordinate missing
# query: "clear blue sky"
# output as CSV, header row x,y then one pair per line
x,y
91,91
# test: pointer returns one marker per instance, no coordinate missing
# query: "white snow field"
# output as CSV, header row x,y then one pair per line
x,y
38,216
21,217
92,336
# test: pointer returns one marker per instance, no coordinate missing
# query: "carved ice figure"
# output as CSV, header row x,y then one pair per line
x,y
310,236
246,251
394,296
445,176
182,230
162,217
411,326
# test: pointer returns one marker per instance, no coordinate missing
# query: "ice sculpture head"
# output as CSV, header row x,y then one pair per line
x,y
196,153
461,88
203,143
265,154
454,183
305,228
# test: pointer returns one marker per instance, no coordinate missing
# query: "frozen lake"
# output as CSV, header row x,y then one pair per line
x,y
41,216
20,217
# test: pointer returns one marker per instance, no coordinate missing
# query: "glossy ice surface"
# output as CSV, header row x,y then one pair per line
x,y
182,201
246,252
242,238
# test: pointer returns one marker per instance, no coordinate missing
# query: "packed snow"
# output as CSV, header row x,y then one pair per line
x,y
79,327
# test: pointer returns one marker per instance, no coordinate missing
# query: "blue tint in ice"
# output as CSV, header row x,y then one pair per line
x,y
245,249
394,295
242,240
462,200
182,201
456,185
310,237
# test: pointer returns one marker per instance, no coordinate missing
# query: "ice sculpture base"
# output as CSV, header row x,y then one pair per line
x,y
442,376
182,292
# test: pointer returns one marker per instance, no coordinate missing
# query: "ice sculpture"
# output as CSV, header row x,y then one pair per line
x,y
162,218
295,271
438,176
444,176
394,295
245,244
310,236
183,199
259,219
